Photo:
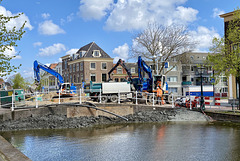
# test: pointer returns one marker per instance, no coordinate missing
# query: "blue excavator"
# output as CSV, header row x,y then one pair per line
x,y
151,83
66,88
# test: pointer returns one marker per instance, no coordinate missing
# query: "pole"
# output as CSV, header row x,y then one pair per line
x,y
202,100
100,96
190,97
153,99
80,99
136,98
59,101
118,96
172,101
36,100
12,102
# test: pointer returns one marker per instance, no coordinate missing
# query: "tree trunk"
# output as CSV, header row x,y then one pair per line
x,y
238,80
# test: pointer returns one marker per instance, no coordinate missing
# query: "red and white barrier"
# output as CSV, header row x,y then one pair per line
x,y
211,101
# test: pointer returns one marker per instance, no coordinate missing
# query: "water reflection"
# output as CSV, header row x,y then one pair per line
x,y
166,141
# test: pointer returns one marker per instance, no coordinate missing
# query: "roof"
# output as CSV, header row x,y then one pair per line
x,y
89,48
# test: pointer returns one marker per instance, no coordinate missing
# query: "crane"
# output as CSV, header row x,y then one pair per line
x,y
66,88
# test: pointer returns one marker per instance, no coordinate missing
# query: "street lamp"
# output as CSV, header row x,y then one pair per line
x,y
202,105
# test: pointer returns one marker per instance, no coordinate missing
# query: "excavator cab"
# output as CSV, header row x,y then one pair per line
x,y
159,81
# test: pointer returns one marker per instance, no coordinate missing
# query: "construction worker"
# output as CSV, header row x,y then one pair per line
x,y
159,95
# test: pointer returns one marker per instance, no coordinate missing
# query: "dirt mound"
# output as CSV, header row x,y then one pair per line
x,y
49,96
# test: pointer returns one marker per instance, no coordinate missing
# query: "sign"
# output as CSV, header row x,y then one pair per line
x,y
212,80
166,64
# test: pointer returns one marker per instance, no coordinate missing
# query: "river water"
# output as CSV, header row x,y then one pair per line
x,y
182,141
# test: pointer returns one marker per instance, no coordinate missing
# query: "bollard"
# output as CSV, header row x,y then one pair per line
x,y
80,101
12,102
100,96
190,100
172,101
136,98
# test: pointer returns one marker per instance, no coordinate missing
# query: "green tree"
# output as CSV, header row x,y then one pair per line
x,y
19,82
8,39
224,54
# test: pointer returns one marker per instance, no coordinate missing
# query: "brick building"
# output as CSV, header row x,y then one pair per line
x,y
89,63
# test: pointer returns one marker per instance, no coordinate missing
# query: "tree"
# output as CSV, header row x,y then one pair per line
x,y
8,39
224,54
19,82
160,43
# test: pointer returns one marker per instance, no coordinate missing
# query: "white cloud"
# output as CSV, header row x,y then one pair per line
x,y
45,15
122,52
71,51
49,28
135,14
69,18
18,22
203,36
28,73
37,44
217,12
94,9
52,50
12,52
184,15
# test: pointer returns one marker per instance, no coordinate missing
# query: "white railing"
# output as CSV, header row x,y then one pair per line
x,y
57,97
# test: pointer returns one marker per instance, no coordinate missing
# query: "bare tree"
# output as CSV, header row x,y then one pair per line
x,y
160,43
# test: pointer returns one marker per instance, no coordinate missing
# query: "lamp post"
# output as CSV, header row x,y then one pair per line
x,y
202,105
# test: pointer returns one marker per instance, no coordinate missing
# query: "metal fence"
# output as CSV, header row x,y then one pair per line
x,y
56,97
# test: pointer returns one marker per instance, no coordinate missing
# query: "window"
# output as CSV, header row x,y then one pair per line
x,y
81,78
77,68
104,66
116,79
70,78
78,79
96,53
73,67
172,90
122,79
172,79
74,79
92,66
70,69
93,77
173,69
132,70
119,70
104,77
81,66
65,63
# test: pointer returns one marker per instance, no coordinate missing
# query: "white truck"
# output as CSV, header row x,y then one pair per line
x,y
109,91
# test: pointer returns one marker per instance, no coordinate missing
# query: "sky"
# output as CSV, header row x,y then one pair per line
x,y
55,28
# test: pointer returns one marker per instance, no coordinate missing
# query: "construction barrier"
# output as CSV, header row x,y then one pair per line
x,y
210,101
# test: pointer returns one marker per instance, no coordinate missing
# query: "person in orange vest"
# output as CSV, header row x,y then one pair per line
x,y
159,95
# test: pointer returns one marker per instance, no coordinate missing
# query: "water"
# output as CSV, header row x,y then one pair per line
x,y
166,141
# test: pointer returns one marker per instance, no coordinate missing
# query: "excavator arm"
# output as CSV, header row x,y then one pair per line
x,y
37,66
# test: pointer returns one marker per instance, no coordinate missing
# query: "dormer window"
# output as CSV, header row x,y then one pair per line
x,y
96,53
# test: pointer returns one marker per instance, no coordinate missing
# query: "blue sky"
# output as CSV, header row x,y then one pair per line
x,y
58,27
